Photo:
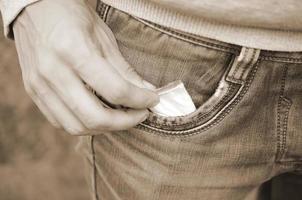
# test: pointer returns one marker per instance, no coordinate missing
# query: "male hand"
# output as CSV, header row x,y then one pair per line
x,y
62,44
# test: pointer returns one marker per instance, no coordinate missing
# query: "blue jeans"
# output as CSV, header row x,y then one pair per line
x,y
246,129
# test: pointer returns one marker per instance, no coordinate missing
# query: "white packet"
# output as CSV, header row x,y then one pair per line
x,y
174,100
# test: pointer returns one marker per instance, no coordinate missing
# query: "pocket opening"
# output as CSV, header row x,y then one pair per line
x,y
221,97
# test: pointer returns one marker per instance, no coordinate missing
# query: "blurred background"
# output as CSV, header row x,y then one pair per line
x,y
38,162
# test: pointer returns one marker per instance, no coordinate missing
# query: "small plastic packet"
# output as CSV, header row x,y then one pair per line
x,y
174,100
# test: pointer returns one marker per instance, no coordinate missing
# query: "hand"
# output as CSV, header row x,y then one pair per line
x,y
63,43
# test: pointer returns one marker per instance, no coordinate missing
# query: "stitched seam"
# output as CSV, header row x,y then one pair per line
x,y
219,118
103,10
285,124
209,44
106,13
282,123
281,59
226,96
199,116
279,134
186,37
94,169
238,65
246,67
100,8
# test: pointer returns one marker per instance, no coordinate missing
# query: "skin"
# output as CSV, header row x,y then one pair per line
x,y
271,14
63,43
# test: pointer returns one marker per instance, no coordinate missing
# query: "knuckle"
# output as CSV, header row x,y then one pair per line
x,y
65,44
64,37
68,46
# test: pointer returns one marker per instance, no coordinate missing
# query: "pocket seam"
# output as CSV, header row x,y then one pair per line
x,y
193,40
204,115
214,121
230,88
103,10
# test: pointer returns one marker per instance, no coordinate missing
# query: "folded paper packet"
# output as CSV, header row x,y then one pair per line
x,y
174,100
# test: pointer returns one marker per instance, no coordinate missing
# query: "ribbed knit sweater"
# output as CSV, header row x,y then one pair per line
x,y
261,38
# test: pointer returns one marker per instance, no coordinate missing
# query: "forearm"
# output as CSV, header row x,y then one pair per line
x,y
10,10
275,14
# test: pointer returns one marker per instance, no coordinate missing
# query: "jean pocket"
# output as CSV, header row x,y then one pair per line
x,y
226,96
216,75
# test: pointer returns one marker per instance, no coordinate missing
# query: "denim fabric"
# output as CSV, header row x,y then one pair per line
x,y
246,130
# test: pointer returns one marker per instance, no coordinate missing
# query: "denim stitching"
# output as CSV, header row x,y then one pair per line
x,y
246,67
285,122
106,13
239,65
200,42
281,59
220,117
282,123
199,116
186,37
94,168
279,138
183,133
209,44
103,10
234,50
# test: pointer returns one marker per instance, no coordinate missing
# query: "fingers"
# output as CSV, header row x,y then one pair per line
x,y
84,105
56,107
124,119
46,112
88,60
42,107
108,83
116,59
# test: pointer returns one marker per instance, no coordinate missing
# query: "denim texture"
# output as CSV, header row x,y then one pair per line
x,y
245,131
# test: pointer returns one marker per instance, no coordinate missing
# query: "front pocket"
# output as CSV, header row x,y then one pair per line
x,y
226,97
232,87
215,78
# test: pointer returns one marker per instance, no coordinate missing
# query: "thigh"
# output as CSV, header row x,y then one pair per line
x,y
221,151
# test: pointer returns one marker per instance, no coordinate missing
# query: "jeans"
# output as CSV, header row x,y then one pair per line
x,y
246,130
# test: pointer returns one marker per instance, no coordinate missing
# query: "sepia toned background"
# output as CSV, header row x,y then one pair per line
x,y
38,162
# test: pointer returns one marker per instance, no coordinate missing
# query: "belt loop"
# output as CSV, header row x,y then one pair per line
x,y
102,9
243,64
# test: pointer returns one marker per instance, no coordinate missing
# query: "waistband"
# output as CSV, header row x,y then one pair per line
x,y
277,56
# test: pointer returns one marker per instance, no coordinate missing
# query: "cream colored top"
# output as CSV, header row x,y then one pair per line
x,y
10,10
261,38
